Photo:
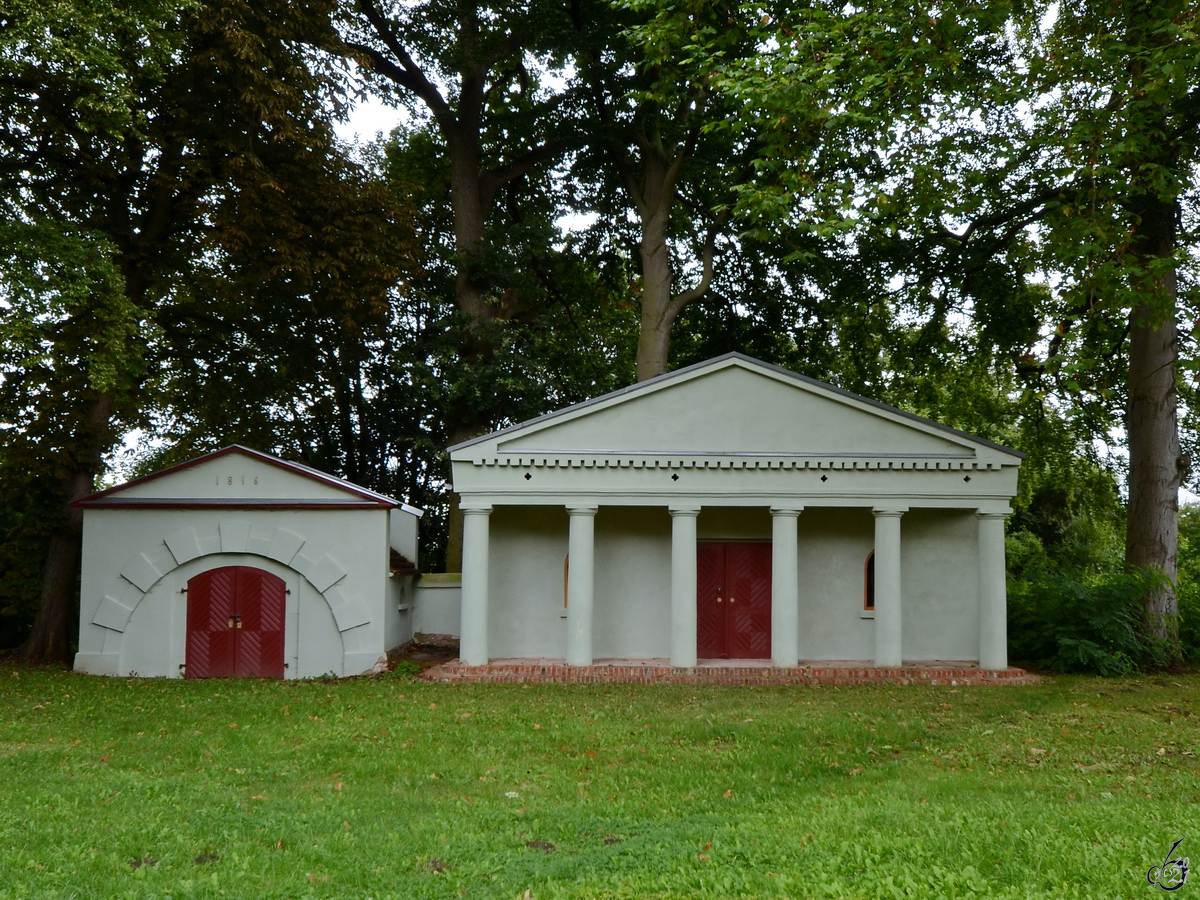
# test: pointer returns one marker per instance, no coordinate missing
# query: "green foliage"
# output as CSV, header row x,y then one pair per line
x,y
57,282
1073,606
355,788
1188,588
68,335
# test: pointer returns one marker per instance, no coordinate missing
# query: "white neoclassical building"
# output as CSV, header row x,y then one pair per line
x,y
734,510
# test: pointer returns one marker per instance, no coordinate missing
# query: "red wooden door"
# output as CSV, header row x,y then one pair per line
x,y
710,601
733,600
235,624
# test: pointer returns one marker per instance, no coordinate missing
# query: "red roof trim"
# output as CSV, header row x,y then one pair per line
x,y
376,500
194,503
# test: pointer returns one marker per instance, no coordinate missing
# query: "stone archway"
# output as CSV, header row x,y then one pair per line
x,y
231,536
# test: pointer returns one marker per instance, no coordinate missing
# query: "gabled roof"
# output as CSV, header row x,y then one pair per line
x,y
534,436
330,492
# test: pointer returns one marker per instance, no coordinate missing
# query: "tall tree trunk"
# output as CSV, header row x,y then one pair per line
x,y
654,198
50,639
470,296
1155,461
658,314
470,211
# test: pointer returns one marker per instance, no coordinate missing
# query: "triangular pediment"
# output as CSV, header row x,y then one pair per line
x,y
734,406
239,475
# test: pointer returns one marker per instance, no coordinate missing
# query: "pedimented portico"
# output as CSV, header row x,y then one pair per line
x,y
594,532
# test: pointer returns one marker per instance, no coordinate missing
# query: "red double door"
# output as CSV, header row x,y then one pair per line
x,y
235,624
733,600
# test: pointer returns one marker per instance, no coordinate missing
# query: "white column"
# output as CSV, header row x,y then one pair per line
x,y
993,600
683,585
888,635
473,642
785,587
581,584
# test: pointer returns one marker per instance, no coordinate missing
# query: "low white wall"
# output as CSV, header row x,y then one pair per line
x,y
437,605
400,610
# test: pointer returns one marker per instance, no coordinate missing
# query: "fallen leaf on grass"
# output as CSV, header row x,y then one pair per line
x,y
258,797
728,794
312,878
279,844
436,866
1037,751
147,861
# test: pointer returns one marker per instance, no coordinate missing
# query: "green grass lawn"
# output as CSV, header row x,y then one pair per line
x,y
387,787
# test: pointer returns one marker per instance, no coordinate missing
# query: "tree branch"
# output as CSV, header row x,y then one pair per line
x,y
413,78
493,179
695,293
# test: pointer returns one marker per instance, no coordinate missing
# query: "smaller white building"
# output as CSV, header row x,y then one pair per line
x,y
238,563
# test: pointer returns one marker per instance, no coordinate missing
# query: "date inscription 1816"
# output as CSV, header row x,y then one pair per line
x,y
232,479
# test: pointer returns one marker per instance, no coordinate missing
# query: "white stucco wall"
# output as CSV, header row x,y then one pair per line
x,y
437,602
527,550
633,583
632,599
400,611
335,563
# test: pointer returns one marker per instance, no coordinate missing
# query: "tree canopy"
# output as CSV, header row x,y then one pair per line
x,y
983,213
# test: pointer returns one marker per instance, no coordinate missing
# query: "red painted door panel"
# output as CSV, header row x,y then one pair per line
x,y
733,600
748,571
710,615
235,624
210,642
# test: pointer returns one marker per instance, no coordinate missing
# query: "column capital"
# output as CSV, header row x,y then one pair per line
x,y
787,511
582,509
992,514
683,510
475,508
882,512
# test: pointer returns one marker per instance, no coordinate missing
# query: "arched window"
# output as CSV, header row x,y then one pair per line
x,y
869,583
